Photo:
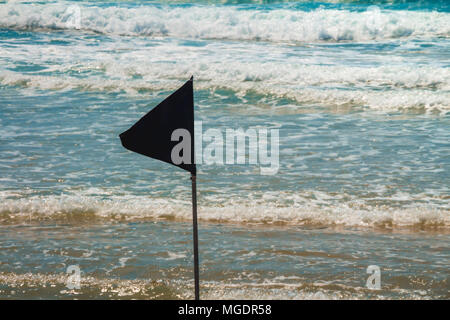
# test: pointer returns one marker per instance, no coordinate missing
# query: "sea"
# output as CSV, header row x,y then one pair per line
x,y
358,91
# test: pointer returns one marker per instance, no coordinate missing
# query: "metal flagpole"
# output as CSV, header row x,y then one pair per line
x,y
195,232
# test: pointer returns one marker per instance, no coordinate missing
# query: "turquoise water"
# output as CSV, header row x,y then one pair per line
x,y
360,94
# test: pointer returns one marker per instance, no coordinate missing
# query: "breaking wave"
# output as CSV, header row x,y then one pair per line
x,y
313,90
229,23
78,209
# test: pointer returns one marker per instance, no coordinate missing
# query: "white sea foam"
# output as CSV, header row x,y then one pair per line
x,y
309,77
53,285
309,81
135,208
310,90
233,23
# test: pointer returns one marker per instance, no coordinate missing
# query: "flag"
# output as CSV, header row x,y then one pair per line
x,y
166,132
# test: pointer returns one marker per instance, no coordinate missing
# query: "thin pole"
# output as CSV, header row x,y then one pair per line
x,y
195,232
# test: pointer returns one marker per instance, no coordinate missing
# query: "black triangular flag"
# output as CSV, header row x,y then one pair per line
x,y
152,134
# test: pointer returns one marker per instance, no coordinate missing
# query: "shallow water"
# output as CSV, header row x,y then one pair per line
x,y
360,95
153,260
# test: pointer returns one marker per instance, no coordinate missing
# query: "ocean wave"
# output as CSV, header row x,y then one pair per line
x,y
228,23
386,83
78,209
395,91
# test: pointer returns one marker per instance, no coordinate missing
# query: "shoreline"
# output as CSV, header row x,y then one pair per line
x,y
154,260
